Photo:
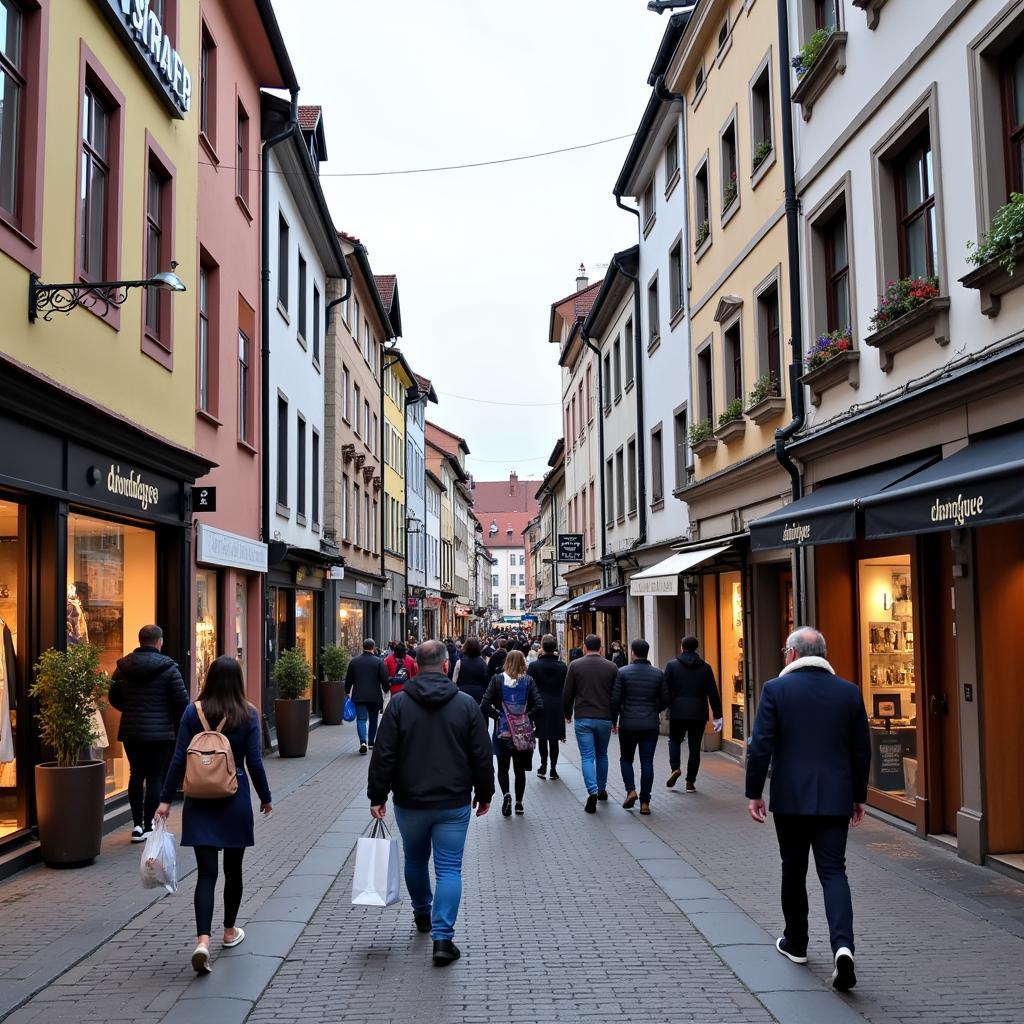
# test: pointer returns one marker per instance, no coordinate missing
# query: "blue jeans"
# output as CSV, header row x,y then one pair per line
x,y
364,711
444,832
593,736
647,741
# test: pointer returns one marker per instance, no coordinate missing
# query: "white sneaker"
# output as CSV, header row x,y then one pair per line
x,y
843,977
138,835
780,945
201,960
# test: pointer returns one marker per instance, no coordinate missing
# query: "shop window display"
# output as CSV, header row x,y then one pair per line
x,y
241,619
111,595
206,624
11,549
350,625
730,607
305,628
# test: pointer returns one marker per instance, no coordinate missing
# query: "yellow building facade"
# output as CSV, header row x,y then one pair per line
x,y
398,378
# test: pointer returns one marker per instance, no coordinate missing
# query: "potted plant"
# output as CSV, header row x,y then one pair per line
x,y
810,52
731,423
765,400
902,297
761,152
331,689
996,256
292,675
827,347
703,233
702,438
70,689
730,192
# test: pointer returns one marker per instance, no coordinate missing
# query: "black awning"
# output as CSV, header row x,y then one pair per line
x,y
597,601
828,515
980,484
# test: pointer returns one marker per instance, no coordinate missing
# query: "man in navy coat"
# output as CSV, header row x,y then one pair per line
x,y
812,728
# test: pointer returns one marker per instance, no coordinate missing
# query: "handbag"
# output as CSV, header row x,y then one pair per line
x,y
348,713
520,730
375,881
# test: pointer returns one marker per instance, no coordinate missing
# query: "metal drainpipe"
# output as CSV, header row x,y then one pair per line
x,y
275,140
600,437
337,302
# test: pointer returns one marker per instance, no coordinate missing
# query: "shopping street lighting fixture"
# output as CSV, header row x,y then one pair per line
x,y
661,6
46,299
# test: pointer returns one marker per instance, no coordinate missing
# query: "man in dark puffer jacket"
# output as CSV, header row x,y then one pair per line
x,y
691,687
148,690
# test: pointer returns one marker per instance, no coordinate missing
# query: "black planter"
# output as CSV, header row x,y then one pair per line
x,y
332,701
292,727
69,806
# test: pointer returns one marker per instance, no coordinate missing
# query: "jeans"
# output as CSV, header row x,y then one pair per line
x,y
693,732
206,883
826,836
593,736
147,761
647,741
364,712
444,833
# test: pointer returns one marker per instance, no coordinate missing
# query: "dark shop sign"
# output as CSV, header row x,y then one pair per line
x,y
570,547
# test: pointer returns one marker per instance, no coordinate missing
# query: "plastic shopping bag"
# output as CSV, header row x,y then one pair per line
x,y
376,879
349,711
160,859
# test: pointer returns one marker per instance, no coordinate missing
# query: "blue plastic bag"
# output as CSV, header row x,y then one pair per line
x,y
349,711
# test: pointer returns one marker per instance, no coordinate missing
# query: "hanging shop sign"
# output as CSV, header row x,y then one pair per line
x,y
151,45
204,499
219,547
570,547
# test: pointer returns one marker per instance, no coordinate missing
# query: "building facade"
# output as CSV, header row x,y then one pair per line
x,y
416,479
398,381
432,600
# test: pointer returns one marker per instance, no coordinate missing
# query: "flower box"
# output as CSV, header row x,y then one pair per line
x,y
702,449
992,282
842,367
873,10
929,320
767,409
829,63
731,430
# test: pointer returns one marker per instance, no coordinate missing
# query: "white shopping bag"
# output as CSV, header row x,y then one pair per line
x,y
159,865
376,879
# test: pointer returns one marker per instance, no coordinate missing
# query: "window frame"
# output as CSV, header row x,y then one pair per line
x,y
676,277
653,306
833,274
617,367
208,88
632,489
159,345
208,314
762,117
1013,132
649,210
729,129
681,444
283,264
301,429
243,154
705,389
921,153
245,415
302,305
702,203
838,197
657,466
629,353
733,377
772,284
317,317
282,489
672,168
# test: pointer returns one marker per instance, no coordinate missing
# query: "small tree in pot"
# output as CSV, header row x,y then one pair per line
x,y
70,689
292,675
333,664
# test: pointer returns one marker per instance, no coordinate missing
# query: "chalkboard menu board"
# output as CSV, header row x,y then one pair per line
x,y
737,721
887,761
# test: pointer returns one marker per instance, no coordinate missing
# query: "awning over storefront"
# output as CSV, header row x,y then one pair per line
x,y
978,485
549,606
597,601
663,579
828,515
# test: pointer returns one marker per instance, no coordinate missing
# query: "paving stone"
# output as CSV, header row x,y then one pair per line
x,y
812,1008
305,885
688,889
213,1009
668,867
267,938
287,908
730,929
763,969
241,977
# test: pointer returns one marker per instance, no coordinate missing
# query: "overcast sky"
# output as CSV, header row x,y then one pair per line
x,y
482,253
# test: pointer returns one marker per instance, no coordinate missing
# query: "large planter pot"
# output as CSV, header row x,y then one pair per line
x,y
332,701
69,806
292,727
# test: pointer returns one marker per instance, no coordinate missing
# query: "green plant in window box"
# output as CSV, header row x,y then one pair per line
x,y
902,297
733,411
811,51
703,232
1005,238
730,192
702,431
766,386
761,152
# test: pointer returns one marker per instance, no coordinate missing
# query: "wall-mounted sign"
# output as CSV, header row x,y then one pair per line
x,y
570,547
336,572
218,547
148,40
662,586
109,480
204,499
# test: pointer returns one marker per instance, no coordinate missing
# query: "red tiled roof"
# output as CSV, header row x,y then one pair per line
x,y
581,295
495,498
346,237
585,300
510,528
386,286
445,439
423,382
308,117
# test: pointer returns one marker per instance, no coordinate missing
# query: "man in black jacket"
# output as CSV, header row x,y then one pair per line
x,y
691,687
813,729
434,754
366,682
148,690
638,698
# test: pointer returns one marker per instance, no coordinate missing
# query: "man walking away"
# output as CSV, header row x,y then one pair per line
x,y
434,754
366,682
588,696
638,698
812,728
691,687
548,672
148,690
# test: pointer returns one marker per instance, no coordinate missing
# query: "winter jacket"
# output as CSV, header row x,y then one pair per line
x,y
548,672
588,688
471,677
432,749
497,662
618,659
454,656
639,696
148,690
391,666
366,680
691,685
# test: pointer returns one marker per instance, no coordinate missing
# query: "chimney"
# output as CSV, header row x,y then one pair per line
x,y
513,482
582,281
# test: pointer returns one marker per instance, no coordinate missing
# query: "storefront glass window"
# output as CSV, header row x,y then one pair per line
x,y
305,626
730,625
207,586
12,536
241,618
350,625
111,595
888,673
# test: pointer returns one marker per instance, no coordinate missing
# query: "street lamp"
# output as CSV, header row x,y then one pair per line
x,y
46,299
661,6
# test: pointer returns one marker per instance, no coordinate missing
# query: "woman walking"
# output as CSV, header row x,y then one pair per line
x,y
471,671
548,672
511,692
210,826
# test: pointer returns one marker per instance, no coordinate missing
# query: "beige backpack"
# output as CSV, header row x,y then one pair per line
x,y
210,763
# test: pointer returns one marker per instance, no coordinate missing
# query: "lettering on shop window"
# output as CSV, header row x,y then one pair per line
x,y
796,533
957,511
132,486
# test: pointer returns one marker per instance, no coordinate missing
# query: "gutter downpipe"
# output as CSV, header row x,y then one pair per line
x,y
600,440
796,366
268,144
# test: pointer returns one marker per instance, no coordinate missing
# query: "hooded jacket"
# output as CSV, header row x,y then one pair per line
x,y
148,690
432,749
691,687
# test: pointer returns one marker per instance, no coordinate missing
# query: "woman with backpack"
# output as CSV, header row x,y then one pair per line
x,y
513,701
220,819
400,668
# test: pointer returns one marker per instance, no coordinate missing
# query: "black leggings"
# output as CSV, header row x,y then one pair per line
x,y
548,750
146,763
504,760
206,883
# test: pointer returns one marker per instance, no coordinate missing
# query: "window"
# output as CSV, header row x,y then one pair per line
x,y
705,385
826,15
282,451
606,382
316,324
315,509
366,342
1012,82
609,492
629,342
769,339
761,118
698,81
723,33
245,377
837,273
590,390
205,341
680,428
572,419
345,534
159,221
357,516
648,203
495,580
95,197
522,580
730,182
579,397
345,385
12,89
208,85
368,525
374,524
366,421
671,158
617,368
302,297
732,354
300,467
355,324
657,469
242,157
620,486
915,204
373,435
701,207
582,500
675,277
593,514
356,397
282,261
631,475
653,324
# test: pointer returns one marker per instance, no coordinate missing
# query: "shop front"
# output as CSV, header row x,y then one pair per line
x,y
599,611
355,604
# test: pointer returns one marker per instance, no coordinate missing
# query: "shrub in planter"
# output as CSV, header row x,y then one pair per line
x,y
827,347
1005,238
811,51
702,431
292,676
766,386
902,297
70,689
733,411
703,230
730,192
333,664
761,152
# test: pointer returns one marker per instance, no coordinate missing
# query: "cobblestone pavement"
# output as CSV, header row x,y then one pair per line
x,y
667,918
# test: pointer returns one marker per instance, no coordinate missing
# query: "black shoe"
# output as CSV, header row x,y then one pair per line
x,y
519,809
553,776
138,834
843,977
506,806
673,778
542,772
797,956
422,921
362,748
370,745
591,807
602,795
445,952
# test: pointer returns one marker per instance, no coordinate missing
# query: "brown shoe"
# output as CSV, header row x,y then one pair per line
x,y
673,778
645,808
691,788
629,801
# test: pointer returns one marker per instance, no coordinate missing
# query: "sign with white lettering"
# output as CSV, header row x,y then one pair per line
x,y
152,45
204,499
659,586
111,481
570,547
336,572
218,547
